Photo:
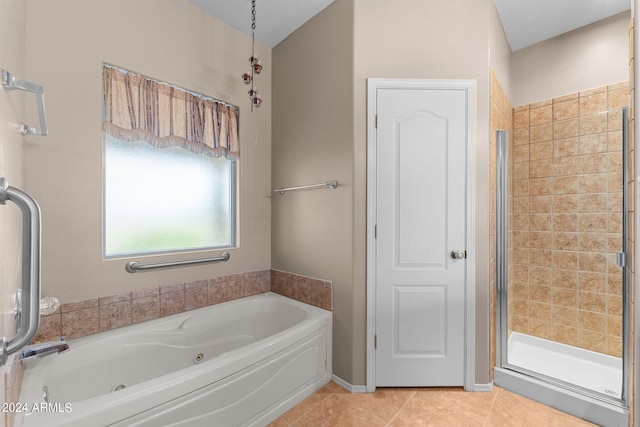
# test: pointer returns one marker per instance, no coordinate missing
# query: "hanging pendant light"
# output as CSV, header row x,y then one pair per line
x,y
256,64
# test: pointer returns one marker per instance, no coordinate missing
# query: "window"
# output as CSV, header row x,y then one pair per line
x,y
166,192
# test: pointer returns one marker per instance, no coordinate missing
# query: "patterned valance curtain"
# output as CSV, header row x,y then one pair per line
x,y
141,109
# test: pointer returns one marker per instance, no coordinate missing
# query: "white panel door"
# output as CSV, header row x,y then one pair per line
x,y
421,146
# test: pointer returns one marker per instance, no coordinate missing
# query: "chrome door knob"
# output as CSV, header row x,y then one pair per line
x,y
458,254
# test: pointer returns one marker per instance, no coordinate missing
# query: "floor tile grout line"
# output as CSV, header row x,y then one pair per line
x,y
493,403
357,405
401,408
310,409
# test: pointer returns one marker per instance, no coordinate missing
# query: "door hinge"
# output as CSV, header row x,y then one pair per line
x,y
376,121
621,259
375,231
375,342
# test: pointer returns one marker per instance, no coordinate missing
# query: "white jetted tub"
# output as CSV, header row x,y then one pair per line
x,y
243,362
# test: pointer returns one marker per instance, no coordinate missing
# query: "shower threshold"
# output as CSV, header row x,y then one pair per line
x,y
584,368
537,369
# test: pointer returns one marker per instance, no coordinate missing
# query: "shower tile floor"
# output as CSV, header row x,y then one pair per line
x,y
333,406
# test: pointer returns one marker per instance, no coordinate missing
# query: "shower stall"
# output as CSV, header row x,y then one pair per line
x,y
562,311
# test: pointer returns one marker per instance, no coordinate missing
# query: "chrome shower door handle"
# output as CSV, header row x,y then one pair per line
x,y
458,254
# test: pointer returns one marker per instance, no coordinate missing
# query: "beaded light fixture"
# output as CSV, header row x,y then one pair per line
x,y
256,64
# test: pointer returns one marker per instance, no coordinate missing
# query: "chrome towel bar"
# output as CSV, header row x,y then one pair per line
x,y
27,312
134,266
11,82
331,184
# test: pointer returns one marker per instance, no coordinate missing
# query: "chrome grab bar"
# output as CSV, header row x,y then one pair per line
x,y
331,184
134,266
28,307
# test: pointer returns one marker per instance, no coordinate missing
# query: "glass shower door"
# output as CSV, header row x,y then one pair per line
x,y
561,277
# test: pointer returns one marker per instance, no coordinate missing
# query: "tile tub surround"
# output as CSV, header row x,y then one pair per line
x,y
81,318
567,211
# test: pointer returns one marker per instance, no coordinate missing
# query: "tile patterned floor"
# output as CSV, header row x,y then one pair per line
x,y
333,406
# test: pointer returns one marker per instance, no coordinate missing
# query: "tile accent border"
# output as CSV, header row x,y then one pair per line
x,y
86,317
309,290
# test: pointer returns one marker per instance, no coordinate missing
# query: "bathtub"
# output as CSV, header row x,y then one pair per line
x,y
243,362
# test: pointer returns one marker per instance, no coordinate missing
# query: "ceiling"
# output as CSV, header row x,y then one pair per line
x,y
275,19
526,22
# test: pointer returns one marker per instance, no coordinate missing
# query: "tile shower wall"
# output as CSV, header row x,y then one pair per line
x,y
567,219
501,118
81,318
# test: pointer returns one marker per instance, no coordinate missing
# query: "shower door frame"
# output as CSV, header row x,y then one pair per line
x,y
503,372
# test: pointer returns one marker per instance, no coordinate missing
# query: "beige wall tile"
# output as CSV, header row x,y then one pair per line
x,y
589,320
540,133
592,203
566,129
540,239
565,203
567,165
540,257
521,119
565,241
593,104
564,297
566,185
566,147
521,136
540,222
592,301
565,260
594,262
592,282
565,279
618,98
564,316
594,341
572,214
565,110
593,183
614,120
593,242
540,276
565,334
567,97
565,222
593,143
596,123
539,115
614,141
540,293
542,150
594,163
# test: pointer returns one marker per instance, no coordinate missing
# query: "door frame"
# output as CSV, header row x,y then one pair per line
x,y
373,84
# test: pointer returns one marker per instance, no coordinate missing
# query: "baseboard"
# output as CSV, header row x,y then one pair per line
x,y
352,388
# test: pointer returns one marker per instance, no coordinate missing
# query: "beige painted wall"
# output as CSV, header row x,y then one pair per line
x,y
312,231
12,58
499,51
173,41
328,100
589,57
